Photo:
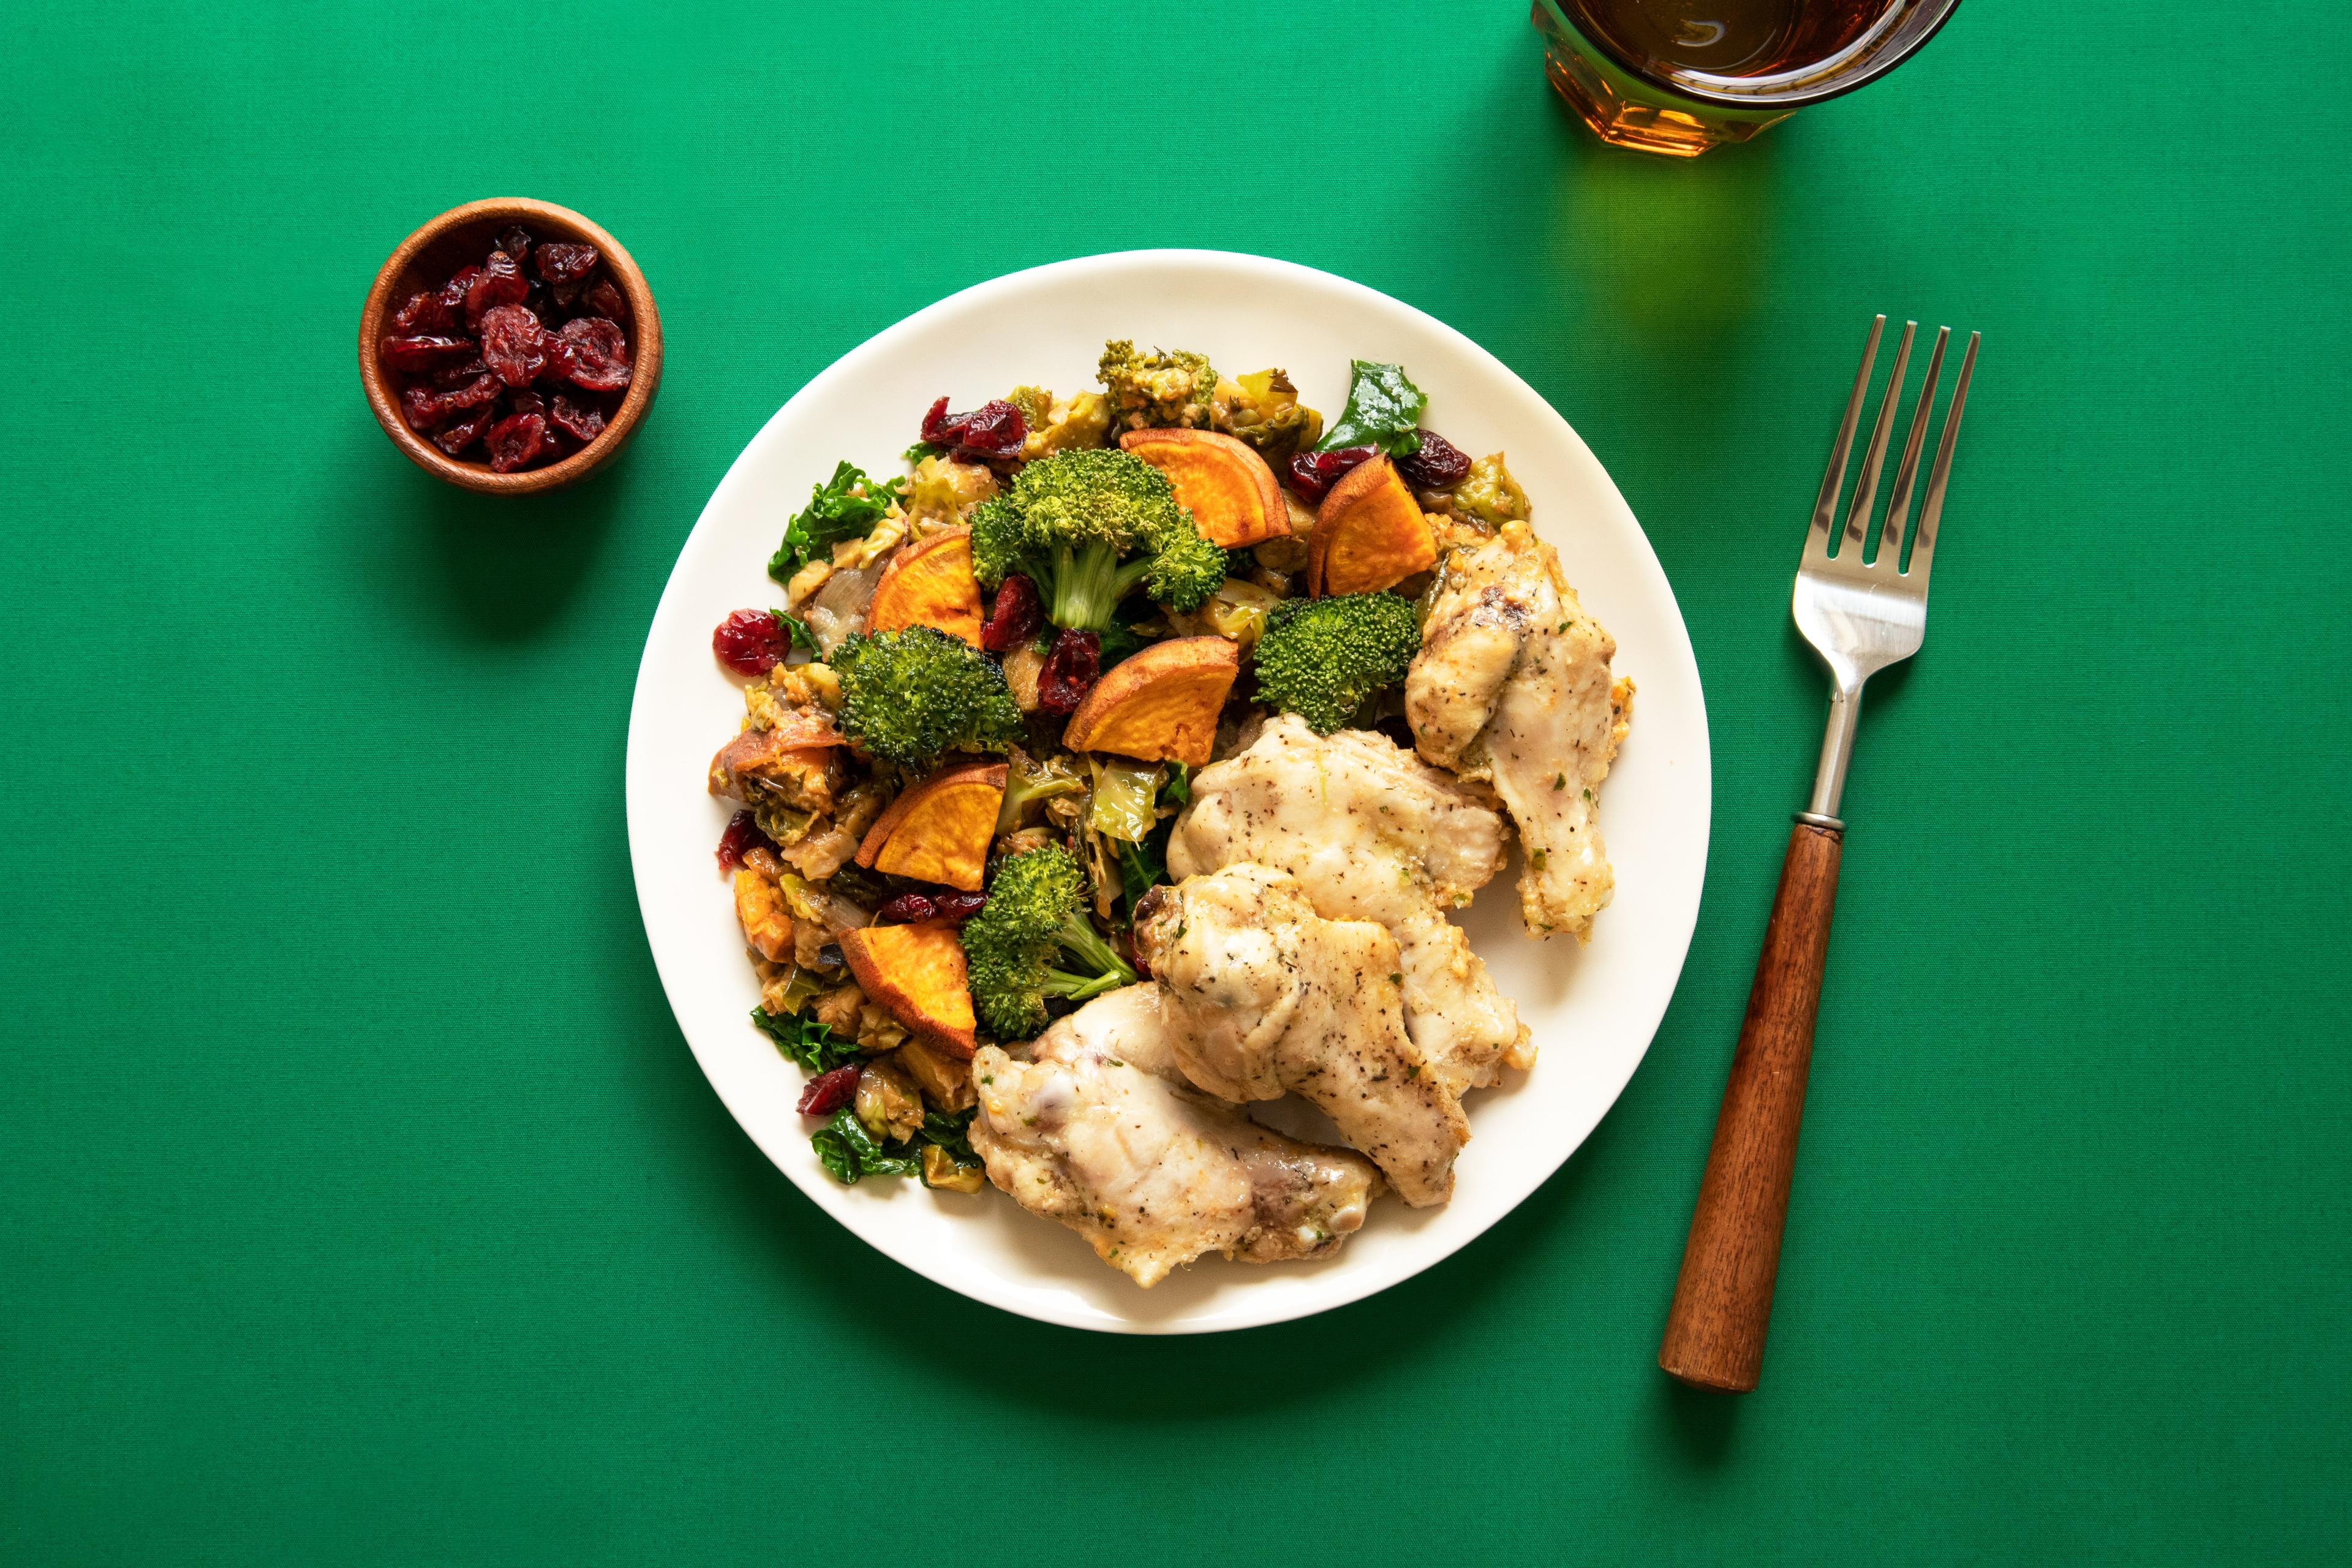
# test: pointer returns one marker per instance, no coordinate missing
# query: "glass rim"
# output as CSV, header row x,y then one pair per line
x,y
1786,89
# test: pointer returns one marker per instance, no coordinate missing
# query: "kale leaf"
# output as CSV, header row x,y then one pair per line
x,y
1384,410
833,514
1143,866
805,1040
850,1152
952,1130
797,629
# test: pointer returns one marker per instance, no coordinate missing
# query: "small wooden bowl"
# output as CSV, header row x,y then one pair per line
x,y
461,237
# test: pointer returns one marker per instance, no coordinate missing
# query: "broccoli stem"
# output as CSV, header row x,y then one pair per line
x,y
1089,583
1080,937
1061,983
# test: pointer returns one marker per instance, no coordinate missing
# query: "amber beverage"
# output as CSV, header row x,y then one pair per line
x,y
1682,75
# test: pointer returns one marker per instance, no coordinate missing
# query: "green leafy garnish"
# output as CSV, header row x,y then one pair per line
x,y
845,506
1178,790
805,1040
952,1130
1143,866
1384,410
797,629
1117,642
850,1152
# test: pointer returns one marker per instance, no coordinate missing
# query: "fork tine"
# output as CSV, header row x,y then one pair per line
x,y
1898,505
1931,510
1866,491
1817,538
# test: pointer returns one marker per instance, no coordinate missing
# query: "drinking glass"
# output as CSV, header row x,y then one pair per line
x,y
1632,99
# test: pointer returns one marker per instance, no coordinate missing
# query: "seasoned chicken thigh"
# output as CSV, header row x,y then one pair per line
x,y
1275,998
1099,1130
1372,833
1512,685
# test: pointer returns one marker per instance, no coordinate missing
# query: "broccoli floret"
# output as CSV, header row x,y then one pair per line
x,y
1035,912
909,695
1158,390
1037,404
1323,659
1088,527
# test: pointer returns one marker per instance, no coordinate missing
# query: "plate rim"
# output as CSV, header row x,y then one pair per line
x,y
956,1277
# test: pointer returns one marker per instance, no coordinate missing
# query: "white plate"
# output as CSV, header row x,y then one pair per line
x,y
1593,1009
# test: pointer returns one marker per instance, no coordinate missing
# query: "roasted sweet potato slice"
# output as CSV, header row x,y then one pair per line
x,y
938,830
1233,495
916,973
1369,534
1161,705
929,584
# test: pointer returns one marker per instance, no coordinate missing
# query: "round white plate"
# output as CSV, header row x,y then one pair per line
x,y
1593,1009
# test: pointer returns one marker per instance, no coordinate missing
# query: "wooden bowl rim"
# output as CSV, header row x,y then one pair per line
x,y
643,384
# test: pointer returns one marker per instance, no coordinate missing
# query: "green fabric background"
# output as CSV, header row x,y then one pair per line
x,y
360,1202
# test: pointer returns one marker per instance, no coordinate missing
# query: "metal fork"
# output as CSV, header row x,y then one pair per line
x,y
1861,611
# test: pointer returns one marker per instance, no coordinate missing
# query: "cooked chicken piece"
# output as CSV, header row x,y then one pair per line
x,y
1372,833
1273,998
1098,1130
1512,686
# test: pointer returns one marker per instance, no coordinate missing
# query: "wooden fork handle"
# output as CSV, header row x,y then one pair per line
x,y
1723,1300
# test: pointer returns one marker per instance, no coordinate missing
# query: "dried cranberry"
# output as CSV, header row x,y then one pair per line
x,y
516,242
1312,473
450,377
453,293
828,1093
907,908
585,421
500,282
751,642
565,295
514,345
423,407
1070,671
743,836
1440,465
604,299
1018,613
527,403
596,354
459,434
515,440
959,907
475,393
992,432
416,354
425,312
565,263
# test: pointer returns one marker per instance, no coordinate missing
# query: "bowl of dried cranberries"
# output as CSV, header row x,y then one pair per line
x,y
509,345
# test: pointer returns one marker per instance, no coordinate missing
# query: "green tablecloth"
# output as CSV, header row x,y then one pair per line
x,y
360,1202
